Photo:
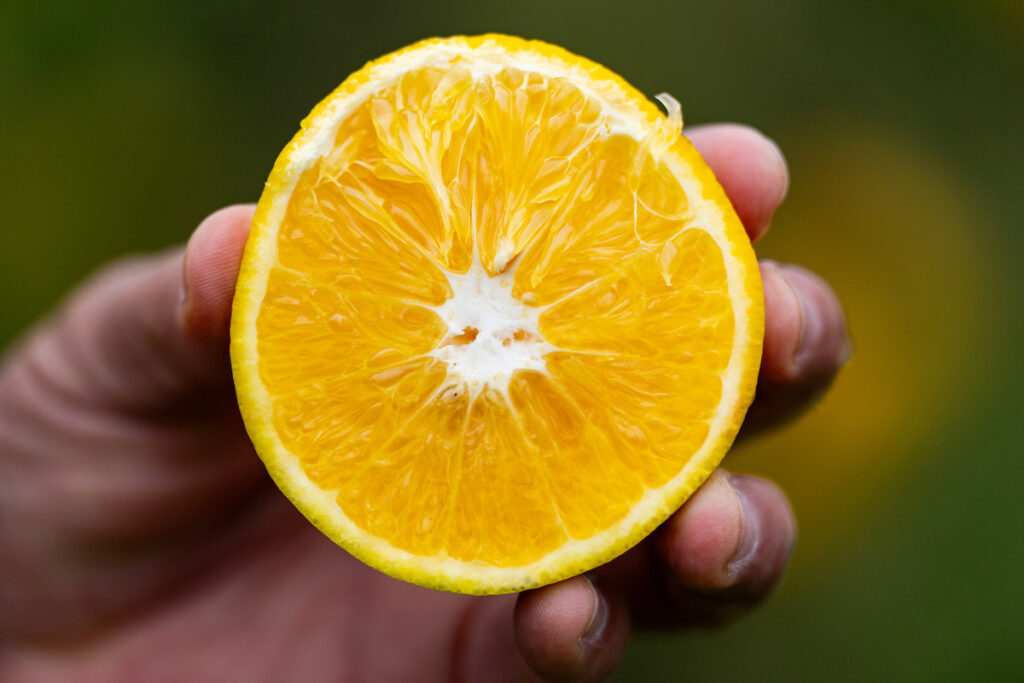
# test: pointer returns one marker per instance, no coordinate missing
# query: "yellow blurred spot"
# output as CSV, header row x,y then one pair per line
x,y
895,230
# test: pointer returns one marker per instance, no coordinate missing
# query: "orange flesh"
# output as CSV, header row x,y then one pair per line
x,y
524,172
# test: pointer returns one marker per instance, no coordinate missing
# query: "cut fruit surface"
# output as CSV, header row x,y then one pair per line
x,y
496,320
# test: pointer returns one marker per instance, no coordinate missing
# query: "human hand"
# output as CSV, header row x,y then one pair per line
x,y
141,539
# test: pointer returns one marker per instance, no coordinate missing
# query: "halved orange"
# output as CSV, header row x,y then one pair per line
x,y
496,320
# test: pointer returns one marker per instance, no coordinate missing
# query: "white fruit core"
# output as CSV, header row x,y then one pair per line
x,y
491,334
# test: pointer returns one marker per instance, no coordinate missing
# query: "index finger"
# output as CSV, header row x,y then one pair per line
x,y
750,168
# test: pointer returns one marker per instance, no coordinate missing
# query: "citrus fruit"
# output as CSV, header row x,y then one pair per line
x,y
496,319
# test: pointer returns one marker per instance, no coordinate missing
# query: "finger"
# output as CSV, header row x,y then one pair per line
x,y
805,344
149,331
571,631
720,554
750,168
212,259
485,643
732,540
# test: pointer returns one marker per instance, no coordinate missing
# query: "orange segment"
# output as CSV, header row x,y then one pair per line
x,y
368,255
520,193
314,332
496,319
528,526
411,478
654,416
669,305
591,486
337,438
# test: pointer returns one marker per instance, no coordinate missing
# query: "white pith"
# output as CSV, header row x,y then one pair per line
x,y
485,305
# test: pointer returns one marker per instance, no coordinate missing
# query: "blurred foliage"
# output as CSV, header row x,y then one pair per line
x,y
125,123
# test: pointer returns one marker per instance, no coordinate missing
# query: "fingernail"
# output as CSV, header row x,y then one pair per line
x,y
183,288
749,530
782,168
184,303
817,306
598,620
779,168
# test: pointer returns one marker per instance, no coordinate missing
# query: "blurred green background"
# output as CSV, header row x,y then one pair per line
x,y
123,124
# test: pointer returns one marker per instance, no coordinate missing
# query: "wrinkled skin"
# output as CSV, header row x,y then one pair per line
x,y
141,539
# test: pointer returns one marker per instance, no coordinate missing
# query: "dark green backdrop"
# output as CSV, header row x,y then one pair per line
x,y
122,125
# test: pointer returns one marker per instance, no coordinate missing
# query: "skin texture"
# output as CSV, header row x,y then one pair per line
x,y
141,540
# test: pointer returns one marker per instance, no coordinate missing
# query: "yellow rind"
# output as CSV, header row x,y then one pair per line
x,y
578,556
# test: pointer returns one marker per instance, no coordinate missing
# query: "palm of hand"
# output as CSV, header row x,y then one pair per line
x,y
142,539
173,540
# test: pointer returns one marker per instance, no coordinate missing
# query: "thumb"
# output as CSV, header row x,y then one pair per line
x,y
212,258
147,333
